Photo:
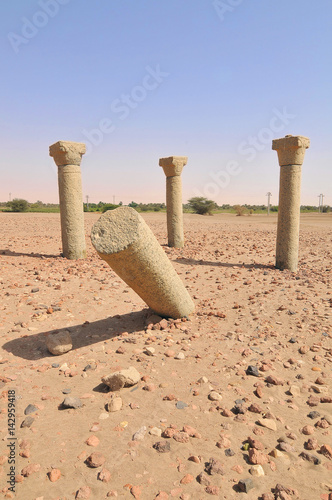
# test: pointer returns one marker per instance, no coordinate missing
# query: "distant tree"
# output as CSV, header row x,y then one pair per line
x,y
202,206
19,205
133,204
108,206
325,209
239,210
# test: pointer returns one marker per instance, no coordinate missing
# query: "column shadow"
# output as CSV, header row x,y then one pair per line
x,y
33,347
10,253
193,262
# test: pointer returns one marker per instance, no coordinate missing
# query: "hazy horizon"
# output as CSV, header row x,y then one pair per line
x,y
215,81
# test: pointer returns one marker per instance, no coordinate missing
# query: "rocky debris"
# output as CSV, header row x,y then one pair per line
x,y
310,458
326,450
54,475
59,343
71,402
140,434
27,422
30,469
213,467
84,492
268,423
252,370
122,378
257,470
114,404
95,460
162,446
104,475
30,409
203,479
245,485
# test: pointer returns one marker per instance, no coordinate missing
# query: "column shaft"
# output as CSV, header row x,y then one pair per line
x,y
174,211
287,247
71,212
123,239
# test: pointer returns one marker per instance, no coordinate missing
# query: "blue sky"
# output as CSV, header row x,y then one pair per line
x,y
139,80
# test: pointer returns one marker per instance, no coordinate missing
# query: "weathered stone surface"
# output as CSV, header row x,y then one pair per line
x,y
123,239
70,402
59,343
67,156
172,167
123,378
114,404
291,150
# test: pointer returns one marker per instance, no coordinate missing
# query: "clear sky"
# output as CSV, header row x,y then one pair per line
x,y
137,80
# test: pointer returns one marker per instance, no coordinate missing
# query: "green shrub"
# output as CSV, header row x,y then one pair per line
x,y
19,205
109,206
202,206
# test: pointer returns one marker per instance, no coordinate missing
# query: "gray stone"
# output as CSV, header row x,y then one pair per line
x,y
30,409
70,402
59,343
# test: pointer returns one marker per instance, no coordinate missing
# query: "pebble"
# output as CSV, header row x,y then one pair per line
x,y
59,343
214,467
27,422
162,446
252,370
310,458
30,409
104,475
246,485
180,356
114,404
268,423
92,441
30,469
54,475
257,470
155,431
214,396
96,459
70,402
123,378
84,492
140,434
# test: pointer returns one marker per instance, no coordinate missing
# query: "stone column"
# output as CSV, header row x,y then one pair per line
x,y
123,239
291,151
172,167
67,156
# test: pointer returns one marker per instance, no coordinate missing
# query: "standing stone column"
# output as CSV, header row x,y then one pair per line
x,y
291,151
172,167
123,239
67,156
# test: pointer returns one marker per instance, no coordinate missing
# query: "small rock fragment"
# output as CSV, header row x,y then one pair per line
x,y
59,343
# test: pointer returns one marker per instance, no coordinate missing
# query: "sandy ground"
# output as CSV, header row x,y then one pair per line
x,y
247,314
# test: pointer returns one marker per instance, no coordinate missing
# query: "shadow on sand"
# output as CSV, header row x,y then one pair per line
x,y
194,262
10,253
33,347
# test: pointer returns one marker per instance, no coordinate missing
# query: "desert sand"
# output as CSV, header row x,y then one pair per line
x,y
237,397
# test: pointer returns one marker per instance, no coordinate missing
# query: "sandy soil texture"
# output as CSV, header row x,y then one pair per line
x,y
234,403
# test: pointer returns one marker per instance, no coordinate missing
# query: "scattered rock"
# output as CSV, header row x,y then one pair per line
x,y
59,343
70,402
95,460
123,378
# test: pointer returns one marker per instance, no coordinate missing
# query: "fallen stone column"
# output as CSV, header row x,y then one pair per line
x,y
67,156
173,167
123,239
291,151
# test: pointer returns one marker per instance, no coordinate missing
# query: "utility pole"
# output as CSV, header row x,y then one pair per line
x,y
322,195
87,202
268,202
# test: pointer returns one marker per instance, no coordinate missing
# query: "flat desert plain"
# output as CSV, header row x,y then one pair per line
x,y
234,402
